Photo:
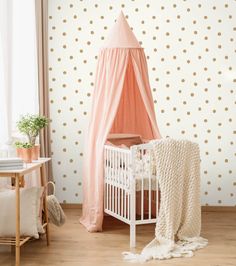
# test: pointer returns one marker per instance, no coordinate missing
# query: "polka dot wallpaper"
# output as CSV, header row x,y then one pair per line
x,y
191,52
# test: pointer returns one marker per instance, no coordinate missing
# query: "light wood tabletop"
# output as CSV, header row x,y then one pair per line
x,y
27,168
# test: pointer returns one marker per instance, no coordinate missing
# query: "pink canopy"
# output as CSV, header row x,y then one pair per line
x,y
122,103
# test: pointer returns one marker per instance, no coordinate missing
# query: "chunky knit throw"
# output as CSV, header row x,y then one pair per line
x,y
178,224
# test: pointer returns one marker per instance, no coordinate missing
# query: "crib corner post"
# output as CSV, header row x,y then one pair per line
x,y
132,200
132,217
132,235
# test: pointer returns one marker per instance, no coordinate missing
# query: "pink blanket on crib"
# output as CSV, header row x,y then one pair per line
x,y
122,103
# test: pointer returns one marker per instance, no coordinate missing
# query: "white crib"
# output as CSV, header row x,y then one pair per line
x,y
130,186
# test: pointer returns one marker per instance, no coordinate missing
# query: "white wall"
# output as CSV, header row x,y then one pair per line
x,y
191,51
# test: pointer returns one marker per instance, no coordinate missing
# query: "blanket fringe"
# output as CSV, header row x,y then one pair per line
x,y
167,249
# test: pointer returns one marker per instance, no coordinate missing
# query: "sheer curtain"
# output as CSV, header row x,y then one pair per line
x,y
5,69
18,69
24,63
18,65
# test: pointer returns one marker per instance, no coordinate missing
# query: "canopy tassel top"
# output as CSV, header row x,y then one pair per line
x,y
122,103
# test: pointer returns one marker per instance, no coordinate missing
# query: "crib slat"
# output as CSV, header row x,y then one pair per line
x,y
125,185
150,186
113,176
116,166
128,214
106,162
106,196
110,180
124,205
118,197
142,206
114,180
122,185
108,165
107,176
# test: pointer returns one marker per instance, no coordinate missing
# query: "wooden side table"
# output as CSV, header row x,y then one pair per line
x,y
18,178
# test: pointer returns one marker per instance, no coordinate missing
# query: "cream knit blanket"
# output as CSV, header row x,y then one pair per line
x,y
178,224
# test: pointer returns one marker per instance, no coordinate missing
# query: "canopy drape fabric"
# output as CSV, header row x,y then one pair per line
x,y
122,103
136,113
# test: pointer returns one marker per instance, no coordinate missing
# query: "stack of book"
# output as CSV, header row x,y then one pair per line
x,y
11,164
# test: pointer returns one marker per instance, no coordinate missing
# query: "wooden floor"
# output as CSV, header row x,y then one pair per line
x,y
71,245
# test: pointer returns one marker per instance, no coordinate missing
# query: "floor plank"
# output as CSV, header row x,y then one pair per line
x,y
71,245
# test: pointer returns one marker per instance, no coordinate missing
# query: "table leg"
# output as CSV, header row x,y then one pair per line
x,y
17,188
43,183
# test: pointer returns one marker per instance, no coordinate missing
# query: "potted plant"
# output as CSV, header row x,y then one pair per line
x,y
30,125
24,151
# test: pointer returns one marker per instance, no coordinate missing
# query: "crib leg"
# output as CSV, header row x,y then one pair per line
x,y
132,236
